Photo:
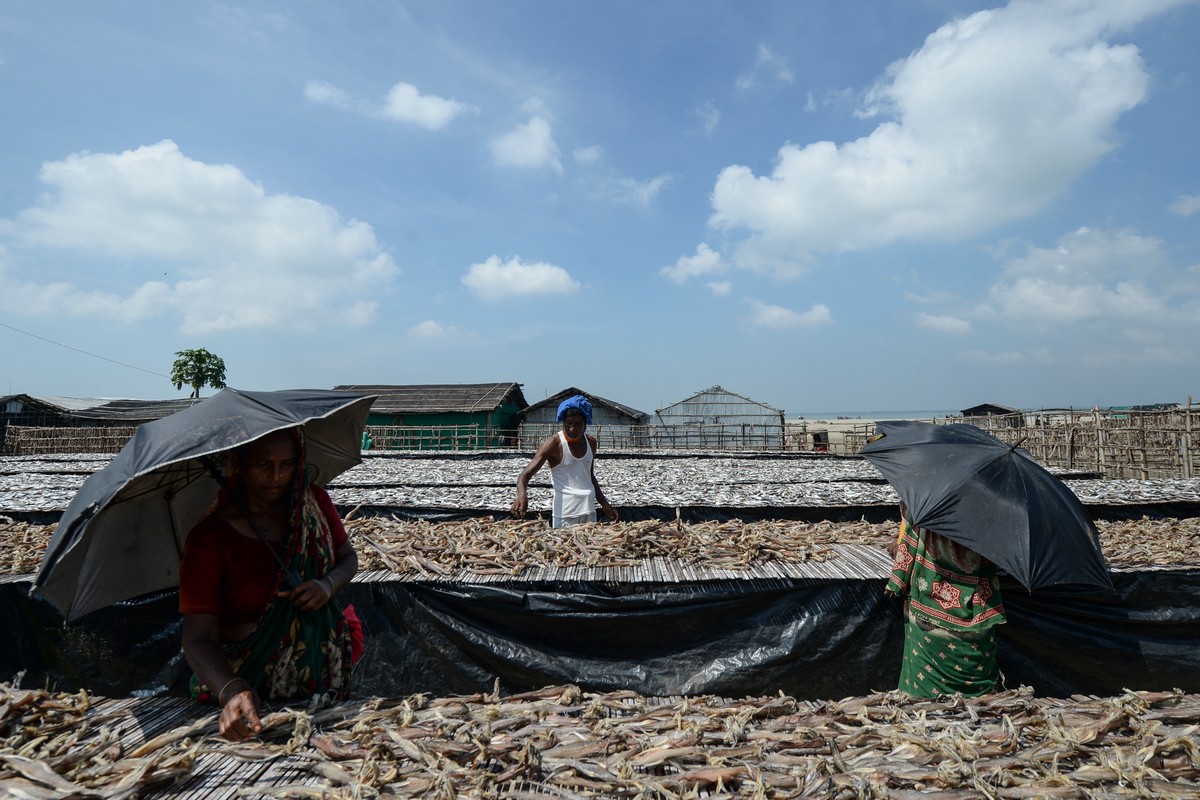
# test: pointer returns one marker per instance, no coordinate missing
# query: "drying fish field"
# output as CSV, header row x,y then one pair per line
x,y
483,483
484,547
792,545
561,742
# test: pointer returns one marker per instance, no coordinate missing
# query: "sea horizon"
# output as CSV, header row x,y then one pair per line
x,y
877,415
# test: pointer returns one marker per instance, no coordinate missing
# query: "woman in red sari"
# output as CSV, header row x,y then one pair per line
x,y
251,632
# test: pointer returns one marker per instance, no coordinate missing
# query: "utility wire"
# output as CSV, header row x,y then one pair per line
x,y
86,353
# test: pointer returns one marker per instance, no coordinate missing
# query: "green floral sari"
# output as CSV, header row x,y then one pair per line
x,y
953,605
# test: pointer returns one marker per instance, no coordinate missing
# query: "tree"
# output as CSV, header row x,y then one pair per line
x,y
197,368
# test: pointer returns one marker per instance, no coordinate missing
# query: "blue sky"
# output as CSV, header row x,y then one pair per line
x,y
837,205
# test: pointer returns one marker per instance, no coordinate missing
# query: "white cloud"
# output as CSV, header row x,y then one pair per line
x,y
588,155
638,193
1098,275
1005,358
720,288
495,279
406,104
430,329
945,324
403,103
710,117
326,94
240,258
1045,301
530,145
768,64
991,119
1088,255
1185,205
764,315
706,261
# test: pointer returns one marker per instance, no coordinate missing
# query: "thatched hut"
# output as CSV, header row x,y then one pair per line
x,y
443,416
32,425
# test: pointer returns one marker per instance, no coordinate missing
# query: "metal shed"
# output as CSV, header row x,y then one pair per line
x,y
614,424
441,416
1012,417
718,419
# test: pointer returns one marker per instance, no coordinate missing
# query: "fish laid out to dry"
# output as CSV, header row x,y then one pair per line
x,y
487,483
561,742
489,546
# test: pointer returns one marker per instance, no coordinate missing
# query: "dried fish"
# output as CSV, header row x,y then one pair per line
x,y
575,744
456,481
486,547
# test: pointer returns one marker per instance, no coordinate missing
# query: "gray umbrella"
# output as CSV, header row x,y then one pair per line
x,y
994,498
122,535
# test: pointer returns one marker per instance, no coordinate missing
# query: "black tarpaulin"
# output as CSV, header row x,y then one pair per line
x,y
810,639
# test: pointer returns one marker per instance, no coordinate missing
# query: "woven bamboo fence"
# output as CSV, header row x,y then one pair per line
x,y
26,440
1139,445
1145,445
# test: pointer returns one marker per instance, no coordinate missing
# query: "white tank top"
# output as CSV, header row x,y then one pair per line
x,y
574,494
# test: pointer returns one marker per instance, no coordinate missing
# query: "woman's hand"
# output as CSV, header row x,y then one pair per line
x,y
310,595
239,718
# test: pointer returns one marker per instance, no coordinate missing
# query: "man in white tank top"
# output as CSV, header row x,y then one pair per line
x,y
571,456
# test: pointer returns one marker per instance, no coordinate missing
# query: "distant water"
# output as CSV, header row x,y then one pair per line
x,y
885,414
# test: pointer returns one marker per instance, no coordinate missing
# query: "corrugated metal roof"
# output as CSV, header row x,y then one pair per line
x,y
432,398
989,408
596,400
716,391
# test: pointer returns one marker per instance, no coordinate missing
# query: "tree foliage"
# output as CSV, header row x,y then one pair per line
x,y
198,368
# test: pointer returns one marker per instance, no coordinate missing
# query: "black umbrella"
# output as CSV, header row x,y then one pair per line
x,y
969,486
122,535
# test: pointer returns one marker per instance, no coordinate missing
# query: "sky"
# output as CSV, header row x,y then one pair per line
x,y
818,204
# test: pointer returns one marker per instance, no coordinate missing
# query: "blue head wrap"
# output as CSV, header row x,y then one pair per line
x,y
580,404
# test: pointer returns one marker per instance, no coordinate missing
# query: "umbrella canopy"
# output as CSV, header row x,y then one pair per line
x,y
122,535
962,483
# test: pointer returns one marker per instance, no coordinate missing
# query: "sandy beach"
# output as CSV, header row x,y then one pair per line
x,y
838,427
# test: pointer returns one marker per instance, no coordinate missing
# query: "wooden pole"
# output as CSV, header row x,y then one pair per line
x,y
1142,450
1187,439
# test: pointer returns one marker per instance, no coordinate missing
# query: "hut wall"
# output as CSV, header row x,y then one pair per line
x,y
449,430
612,429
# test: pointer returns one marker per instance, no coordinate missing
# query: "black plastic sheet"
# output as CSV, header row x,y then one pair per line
x,y
1145,636
810,639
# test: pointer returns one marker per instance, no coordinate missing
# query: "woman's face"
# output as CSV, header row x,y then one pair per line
x,y
269,466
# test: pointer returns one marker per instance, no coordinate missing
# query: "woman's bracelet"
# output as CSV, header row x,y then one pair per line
x,y
233,680
332,587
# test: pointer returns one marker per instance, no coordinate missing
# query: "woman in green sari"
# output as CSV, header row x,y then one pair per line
x,y
951,611
253,630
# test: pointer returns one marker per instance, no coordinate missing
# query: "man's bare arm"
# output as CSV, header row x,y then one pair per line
x,y
549,453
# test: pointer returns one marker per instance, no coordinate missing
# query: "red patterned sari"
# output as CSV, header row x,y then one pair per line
x,y
291,653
